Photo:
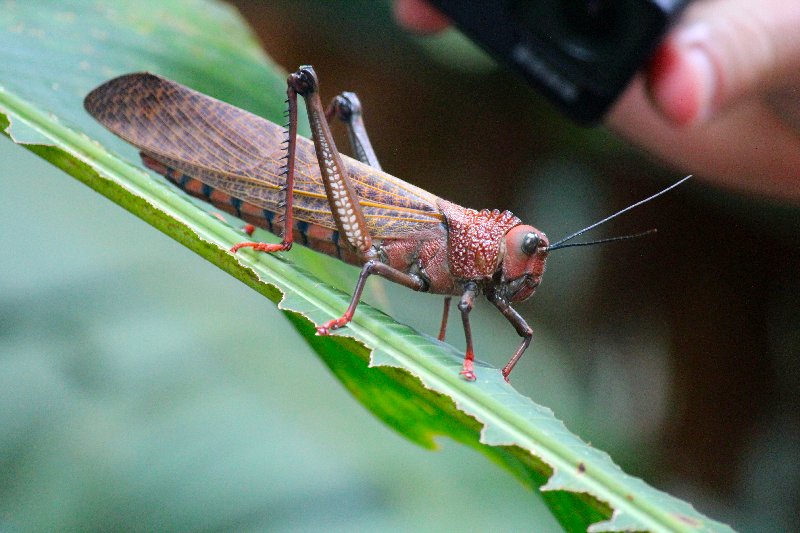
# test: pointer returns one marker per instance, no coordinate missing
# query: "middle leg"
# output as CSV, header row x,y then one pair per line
x,y
373,266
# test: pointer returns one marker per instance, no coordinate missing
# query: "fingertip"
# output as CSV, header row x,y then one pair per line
x,y
680,82
419,16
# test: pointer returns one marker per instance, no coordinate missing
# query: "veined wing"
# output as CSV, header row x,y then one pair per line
x,y
241,154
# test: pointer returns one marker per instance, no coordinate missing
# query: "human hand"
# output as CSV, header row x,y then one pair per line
x,y
720,98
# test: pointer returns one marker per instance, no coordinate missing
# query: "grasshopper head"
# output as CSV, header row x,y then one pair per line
x,y
523,263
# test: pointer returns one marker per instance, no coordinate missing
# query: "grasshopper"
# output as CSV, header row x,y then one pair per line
x,y
306,191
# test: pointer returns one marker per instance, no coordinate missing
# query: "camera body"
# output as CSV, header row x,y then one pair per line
x,y
580,53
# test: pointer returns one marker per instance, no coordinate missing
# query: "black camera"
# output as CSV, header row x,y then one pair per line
x,y
580,53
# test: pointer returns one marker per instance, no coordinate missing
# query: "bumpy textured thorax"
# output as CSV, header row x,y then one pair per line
x,y
475,239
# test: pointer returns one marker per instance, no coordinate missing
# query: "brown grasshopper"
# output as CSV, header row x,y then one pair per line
x,y
349,209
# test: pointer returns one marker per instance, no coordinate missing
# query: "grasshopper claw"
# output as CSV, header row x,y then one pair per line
x,y
467,371
327,327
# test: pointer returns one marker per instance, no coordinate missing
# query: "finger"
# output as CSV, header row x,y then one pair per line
x,y
747,149
419,16
723,51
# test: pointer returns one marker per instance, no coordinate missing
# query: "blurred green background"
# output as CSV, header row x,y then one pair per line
x,y
139,393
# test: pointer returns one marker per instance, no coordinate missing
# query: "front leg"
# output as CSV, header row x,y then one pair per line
x,y
465,306
522,327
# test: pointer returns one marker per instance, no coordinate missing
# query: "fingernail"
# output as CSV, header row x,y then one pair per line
x,y
693,42
705,81
681,83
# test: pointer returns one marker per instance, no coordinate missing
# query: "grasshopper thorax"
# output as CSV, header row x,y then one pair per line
x,y
523,263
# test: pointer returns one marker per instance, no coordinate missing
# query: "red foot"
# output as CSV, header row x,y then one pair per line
x,y
249,229
262,247
327,327
507,371
468,372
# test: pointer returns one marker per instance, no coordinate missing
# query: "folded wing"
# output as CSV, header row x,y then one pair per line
x,y
241,154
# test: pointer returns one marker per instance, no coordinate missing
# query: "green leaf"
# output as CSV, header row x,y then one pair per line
x,y
53,52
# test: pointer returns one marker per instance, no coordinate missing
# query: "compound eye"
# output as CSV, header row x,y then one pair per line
x,y
530,243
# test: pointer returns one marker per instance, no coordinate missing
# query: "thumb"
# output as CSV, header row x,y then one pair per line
x,y
723,51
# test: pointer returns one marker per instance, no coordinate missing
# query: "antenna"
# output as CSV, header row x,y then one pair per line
x,y
560,244
603,241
